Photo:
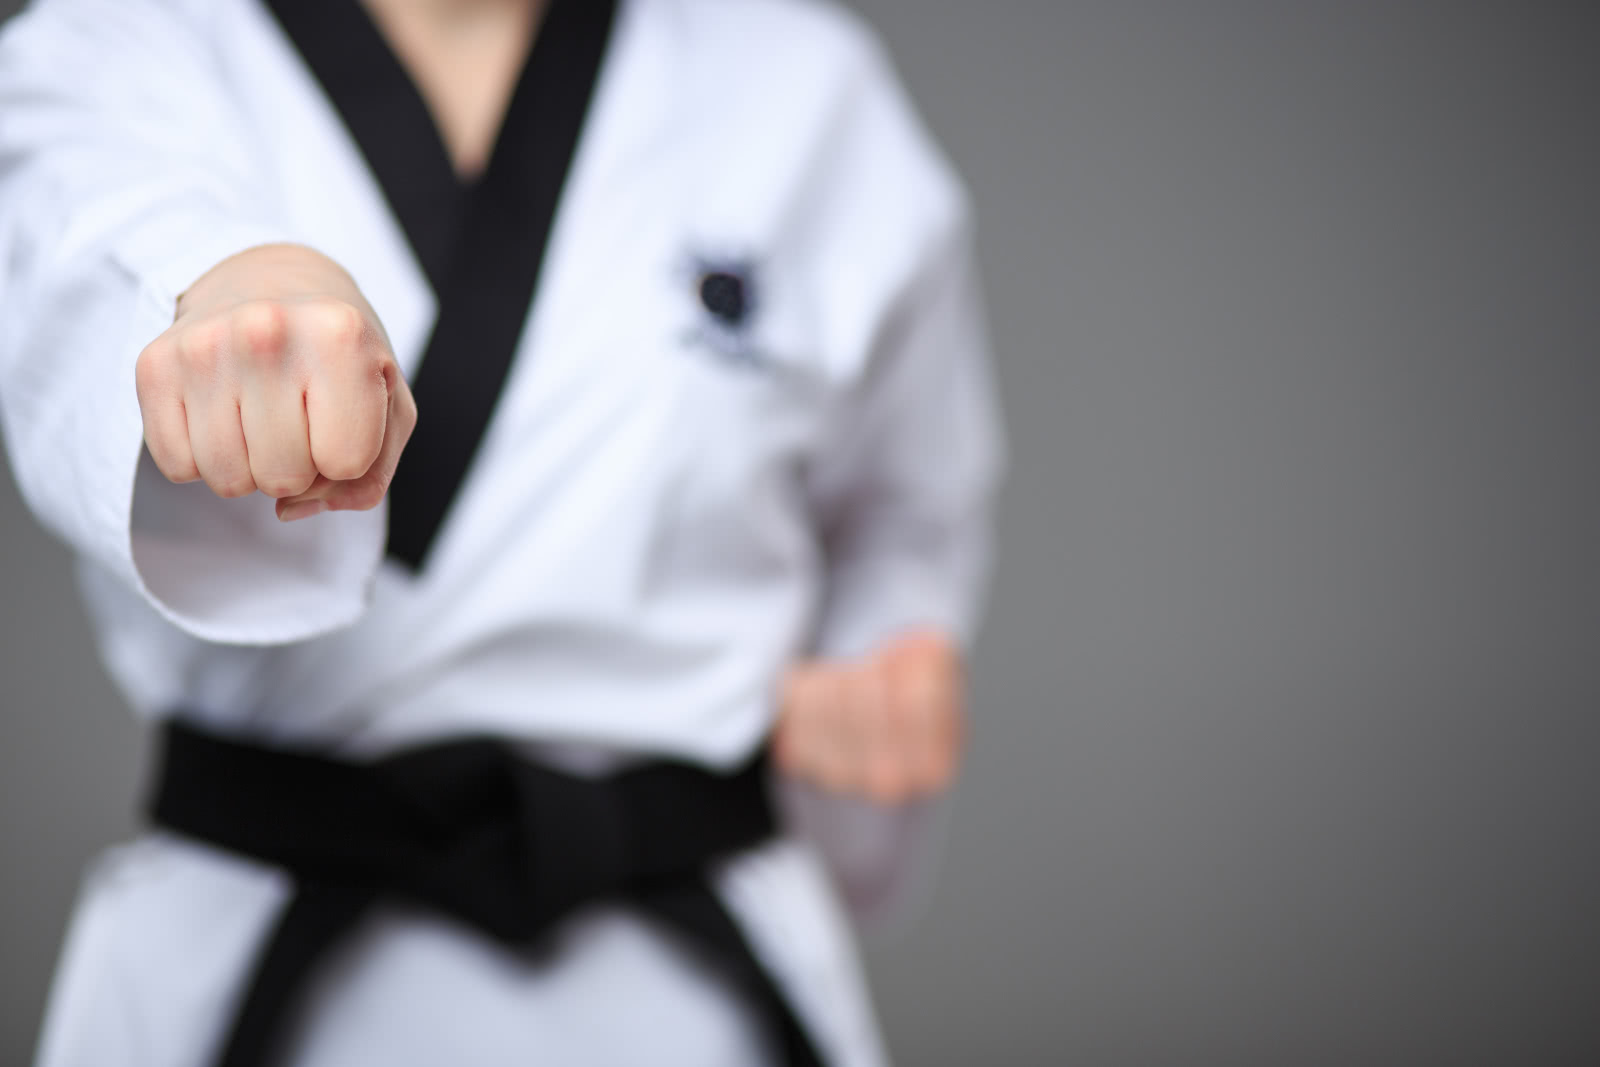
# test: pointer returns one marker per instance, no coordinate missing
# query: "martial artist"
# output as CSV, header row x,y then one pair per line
x,y
487,430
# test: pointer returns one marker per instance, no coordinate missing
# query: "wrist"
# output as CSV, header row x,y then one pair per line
x,y
268,272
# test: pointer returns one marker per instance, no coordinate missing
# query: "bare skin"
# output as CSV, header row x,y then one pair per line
x,y
276,376
464,56
889,726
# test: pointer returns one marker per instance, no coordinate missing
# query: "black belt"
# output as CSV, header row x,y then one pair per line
x,y
473,831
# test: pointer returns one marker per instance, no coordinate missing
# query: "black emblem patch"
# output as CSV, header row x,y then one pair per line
x,y
729,295
723,294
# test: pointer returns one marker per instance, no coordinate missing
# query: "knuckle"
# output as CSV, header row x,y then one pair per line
x,y
263,327
152,370
338,324
927,672
925,693
200,346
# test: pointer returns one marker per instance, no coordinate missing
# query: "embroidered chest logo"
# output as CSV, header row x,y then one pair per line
x,y
729,297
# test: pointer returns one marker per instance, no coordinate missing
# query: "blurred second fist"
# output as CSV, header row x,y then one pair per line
x,y
888,726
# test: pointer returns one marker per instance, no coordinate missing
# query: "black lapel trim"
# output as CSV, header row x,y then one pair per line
x,y
388,121
482,246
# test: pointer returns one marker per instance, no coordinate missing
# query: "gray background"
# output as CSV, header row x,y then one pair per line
x,y
1286,718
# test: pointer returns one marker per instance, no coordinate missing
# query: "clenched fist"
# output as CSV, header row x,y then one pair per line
x,y
276,376
889,726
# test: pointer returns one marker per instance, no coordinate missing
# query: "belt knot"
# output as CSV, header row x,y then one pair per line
x,y
505,844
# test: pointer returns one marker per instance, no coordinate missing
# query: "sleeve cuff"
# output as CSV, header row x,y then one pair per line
x,y
881,858
225,571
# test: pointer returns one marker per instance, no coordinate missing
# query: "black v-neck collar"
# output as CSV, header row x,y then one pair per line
x,y
481,244
388,119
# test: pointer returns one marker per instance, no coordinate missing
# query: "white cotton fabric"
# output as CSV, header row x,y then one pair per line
x,y
652,529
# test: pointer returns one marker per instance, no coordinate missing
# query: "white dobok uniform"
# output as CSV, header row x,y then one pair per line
x,y
653,527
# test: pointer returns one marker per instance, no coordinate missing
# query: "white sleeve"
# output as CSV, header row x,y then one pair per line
x,y
902,495
904,505
124,176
